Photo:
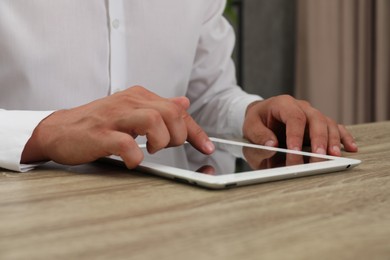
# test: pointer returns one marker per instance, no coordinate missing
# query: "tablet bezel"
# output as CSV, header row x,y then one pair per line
x,y
250,177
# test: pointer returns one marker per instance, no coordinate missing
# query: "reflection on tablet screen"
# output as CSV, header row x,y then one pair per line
x,y
224,159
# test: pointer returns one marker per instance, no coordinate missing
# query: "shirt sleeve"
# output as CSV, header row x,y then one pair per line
x,y
217,103
16,128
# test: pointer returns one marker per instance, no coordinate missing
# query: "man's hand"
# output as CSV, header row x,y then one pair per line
x,y
295,122
109,126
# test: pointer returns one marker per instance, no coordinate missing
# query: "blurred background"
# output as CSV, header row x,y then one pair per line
x,y
333,53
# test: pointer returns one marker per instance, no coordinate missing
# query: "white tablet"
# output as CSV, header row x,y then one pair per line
x,y
256,164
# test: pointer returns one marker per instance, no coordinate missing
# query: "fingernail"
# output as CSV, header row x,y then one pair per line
x,y
336,149
354,145
320,150
270,143
296,148
209,147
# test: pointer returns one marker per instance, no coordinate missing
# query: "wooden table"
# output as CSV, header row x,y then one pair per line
x,y
97,211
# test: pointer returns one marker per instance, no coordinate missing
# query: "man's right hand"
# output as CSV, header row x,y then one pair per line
x,y
109,126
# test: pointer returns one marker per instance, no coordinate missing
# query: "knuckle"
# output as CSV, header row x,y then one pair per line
x,y
322,119
334,139
176,141
342,128
173,111
152,117
286,98
123,98
305,103
314,113
137,88
322,136
300,117
331,122
123,145
178,138
158,140
345,136
138,93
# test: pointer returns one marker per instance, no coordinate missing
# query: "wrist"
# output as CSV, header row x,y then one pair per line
x,y
34,149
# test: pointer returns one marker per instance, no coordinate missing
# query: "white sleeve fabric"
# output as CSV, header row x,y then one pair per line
x,y
16,128
217,103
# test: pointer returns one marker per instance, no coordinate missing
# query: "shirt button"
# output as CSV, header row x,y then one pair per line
x,y
115,23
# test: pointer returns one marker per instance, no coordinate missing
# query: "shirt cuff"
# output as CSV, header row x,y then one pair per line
x,y
16,128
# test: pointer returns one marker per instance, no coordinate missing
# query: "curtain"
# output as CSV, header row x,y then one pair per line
x,y
343,58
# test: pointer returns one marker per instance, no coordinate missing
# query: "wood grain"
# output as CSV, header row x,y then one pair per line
x,y
97,211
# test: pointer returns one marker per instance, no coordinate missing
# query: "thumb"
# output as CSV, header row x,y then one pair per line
x,y
256,132
184,102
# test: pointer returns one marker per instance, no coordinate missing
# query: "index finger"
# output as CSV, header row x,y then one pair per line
x,y
197,137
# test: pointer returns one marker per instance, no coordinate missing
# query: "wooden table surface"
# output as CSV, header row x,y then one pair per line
x,y
97,211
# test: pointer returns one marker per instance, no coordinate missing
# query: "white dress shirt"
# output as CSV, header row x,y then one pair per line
x,y
65,53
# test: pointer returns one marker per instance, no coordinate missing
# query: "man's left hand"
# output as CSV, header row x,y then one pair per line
x,y
285,119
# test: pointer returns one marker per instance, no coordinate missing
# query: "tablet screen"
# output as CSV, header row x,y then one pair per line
x,y
227,159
